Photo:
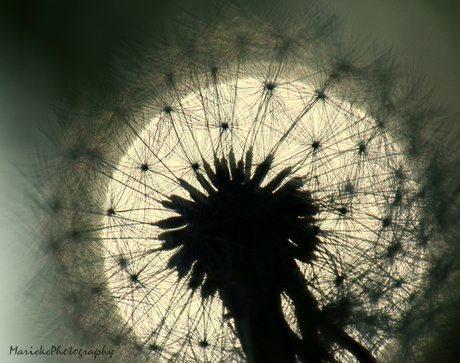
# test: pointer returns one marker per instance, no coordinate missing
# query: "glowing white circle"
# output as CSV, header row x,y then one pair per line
x,y
370,251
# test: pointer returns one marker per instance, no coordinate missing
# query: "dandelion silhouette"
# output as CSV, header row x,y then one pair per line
x,y
255,193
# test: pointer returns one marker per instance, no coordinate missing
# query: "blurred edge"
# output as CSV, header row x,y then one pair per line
x,y
50,46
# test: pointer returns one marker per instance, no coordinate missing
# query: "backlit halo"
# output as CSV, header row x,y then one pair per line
x,y
366,255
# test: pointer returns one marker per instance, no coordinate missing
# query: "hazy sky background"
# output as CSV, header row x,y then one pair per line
x,y
47,47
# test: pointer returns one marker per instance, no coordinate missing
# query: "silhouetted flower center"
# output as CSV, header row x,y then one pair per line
x,y
242,226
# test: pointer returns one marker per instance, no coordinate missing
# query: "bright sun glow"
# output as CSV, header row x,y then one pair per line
x,y
369,254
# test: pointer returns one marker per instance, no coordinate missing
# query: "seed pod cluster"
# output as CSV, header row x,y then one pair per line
x,y
251,181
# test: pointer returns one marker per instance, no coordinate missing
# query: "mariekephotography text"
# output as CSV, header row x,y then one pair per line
x,y
59,350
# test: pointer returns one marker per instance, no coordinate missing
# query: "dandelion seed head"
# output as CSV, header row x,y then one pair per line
x,y
257,172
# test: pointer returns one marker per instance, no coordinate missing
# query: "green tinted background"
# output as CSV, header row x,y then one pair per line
x,y
49,47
